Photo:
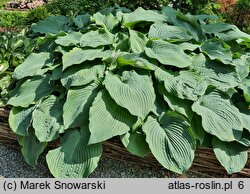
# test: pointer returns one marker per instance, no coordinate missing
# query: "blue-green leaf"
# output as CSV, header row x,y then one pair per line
x,y
219,116
132,91
107,119
232,156
74,158
170,141
78,103
167,54
31,147
30,91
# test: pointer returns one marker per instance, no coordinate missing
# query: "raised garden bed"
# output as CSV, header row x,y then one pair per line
x,y
128,75
205,162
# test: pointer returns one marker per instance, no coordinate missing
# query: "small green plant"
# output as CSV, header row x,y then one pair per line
x,y
14,48
160,81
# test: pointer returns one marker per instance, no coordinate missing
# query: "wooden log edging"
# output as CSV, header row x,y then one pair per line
x,y
204,164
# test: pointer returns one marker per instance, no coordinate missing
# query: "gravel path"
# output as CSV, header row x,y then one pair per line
x,y
12,165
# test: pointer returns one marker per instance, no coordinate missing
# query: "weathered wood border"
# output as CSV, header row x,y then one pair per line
x,y
205,162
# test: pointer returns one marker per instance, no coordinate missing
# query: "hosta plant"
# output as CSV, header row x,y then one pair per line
x,y
14,48
163,82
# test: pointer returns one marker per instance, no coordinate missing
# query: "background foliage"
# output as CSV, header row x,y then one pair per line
x,y
13,18
237,14
65,7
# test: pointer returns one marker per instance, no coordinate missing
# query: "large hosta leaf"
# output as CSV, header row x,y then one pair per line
x,y
136,60
132,91
170,141
245,139
74,158
121,42
216,27
31,147
76,107
78,55
70,39
107,119
232,156
226,32
245,114
197,129
176,104
160,105
52,24
167,53
135,143
188,22
95,39
245,86
33,65
47,119
242,66
30,91
81,20
219,116
188,46
141,15
20,119
186,85
217,74
107,21
82,74
167,32
137,41
218,50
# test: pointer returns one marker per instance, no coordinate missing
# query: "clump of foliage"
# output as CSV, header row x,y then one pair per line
x,y
164,82
34,15
21,19
196,6
14,48
12,18
65,7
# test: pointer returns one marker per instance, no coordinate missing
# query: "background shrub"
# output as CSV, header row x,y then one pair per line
x,y
239,14
20,19
66,7
34,15
196,6
12,18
